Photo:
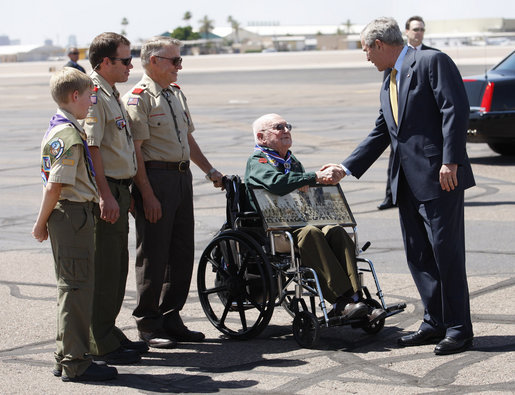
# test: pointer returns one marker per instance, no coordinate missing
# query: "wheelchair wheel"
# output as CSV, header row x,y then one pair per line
x,y
306,329
376,327
235,285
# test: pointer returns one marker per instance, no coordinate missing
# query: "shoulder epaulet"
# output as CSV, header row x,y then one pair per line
x,y
137,91
175,85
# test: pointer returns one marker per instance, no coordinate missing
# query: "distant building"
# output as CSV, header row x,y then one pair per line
x,y
29,53
4,40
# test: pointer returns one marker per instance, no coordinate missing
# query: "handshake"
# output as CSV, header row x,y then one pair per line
x,y
330,174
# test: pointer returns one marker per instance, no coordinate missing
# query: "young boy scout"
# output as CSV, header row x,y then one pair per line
x,y
66,214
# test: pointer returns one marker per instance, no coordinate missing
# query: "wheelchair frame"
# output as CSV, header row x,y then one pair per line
x,y
248,278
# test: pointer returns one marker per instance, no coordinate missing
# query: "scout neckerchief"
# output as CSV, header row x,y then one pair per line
x,y
57,120
275,159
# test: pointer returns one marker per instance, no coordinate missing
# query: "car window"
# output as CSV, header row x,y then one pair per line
x,y
507,64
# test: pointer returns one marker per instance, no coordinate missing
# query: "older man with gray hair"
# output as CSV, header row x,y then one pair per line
x,y
163,194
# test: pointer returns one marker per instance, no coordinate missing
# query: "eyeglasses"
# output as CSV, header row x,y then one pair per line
x,y
176,61
419,29
125,61
282,126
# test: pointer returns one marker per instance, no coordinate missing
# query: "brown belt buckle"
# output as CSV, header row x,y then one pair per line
x,y
183,166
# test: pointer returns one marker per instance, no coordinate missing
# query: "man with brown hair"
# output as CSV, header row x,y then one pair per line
x,y
114,159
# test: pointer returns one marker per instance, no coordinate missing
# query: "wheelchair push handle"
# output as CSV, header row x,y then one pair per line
x,y
365,246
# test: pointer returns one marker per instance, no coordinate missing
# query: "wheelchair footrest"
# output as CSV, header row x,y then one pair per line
x,y
395,307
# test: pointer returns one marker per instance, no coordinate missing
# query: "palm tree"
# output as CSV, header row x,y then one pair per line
x,y
187,16
125,22
206,26
235,27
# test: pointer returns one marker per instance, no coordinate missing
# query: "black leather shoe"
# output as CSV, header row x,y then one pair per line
x,y
94,372
185,335
387,203
420,338
158,339
450,345
57,371
139,346
121,356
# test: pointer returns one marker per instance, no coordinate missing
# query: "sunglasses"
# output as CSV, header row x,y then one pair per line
x,y
282,126
419,29
125,61
176,61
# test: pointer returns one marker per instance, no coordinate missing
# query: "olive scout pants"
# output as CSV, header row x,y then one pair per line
x,y
70,227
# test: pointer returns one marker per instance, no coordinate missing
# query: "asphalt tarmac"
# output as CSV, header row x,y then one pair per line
x,y
332,101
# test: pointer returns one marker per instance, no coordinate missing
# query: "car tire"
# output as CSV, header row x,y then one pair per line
x,y
503,148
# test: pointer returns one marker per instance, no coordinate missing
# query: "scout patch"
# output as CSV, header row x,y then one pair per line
x,y
133,101
137,91
90,120
174,84
93,99
68,162
56,148
44,177
262,160
120,123
47,164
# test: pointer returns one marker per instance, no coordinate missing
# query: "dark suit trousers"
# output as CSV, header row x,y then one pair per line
x,y
165,250
434,239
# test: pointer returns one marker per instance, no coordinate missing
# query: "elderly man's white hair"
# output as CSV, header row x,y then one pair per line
x,y
262,123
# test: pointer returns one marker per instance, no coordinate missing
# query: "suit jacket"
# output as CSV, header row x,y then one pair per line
x,y
433,119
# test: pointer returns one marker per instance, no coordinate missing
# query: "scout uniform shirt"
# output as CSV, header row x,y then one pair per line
x,y
160,117
65,159
107,128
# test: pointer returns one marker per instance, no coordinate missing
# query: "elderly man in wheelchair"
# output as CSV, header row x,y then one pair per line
x,y
330,250
264,256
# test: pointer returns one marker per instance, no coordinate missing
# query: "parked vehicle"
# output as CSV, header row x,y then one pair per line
x,y
492,107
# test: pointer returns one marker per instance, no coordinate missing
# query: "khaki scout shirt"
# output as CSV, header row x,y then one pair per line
x,y
108,128
66,163
152,121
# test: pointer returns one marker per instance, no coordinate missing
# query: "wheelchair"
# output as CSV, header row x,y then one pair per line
x,y
252,266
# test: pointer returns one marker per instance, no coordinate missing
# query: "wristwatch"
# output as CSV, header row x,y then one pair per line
x,y
210,173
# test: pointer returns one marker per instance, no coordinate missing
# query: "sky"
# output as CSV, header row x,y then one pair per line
x,y
35,21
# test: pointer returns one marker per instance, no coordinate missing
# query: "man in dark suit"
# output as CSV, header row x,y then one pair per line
x,y
424,116
415,29
73,54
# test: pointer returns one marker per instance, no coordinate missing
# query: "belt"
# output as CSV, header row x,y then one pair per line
x,y
123,181
65,202
181,166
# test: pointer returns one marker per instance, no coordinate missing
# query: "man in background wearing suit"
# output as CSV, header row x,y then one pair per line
x,y
415,28
424,116
73,54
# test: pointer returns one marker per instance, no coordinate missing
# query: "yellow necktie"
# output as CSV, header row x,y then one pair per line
x,y
393,95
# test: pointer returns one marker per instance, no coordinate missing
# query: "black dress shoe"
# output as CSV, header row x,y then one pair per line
x,y
185,335
158,339
139,346
94,372
450,345
57,371
387,203
120,356
420,338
